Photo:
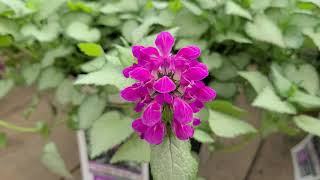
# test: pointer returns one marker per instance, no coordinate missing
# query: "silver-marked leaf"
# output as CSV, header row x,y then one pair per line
x,y
232,8
113,128
53,161
90,110
305,100
51,55
281,83
109,74
5,86
257,80
267,99
202,136
263,29
135,149
315,36
308,123
228,126
30,73
82,32
172,160
64,92
50,78
47,33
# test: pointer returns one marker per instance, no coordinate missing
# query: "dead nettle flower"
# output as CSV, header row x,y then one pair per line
x,y
168,89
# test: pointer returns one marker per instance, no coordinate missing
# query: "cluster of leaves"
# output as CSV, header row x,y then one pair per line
x,y
268,49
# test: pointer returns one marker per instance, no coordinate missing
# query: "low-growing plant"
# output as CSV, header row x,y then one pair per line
x,y
265,49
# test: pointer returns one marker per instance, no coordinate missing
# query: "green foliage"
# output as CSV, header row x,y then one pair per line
x,y
53,161
228,126
113,128
173,160
91,49
135,149
307,123
271,45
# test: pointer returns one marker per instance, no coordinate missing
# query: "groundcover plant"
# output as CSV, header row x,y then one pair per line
x,y
267,50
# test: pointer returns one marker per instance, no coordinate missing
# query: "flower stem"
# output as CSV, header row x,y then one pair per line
x,y
18,128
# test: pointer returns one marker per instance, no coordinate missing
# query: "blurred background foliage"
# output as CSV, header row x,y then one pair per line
x,y
265,49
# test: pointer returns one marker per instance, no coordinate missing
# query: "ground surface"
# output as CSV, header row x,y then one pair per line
x,y
260,160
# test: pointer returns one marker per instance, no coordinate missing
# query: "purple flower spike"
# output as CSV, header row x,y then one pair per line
x,y
166,81
152,114
164,85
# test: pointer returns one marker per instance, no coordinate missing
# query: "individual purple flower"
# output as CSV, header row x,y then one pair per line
x,y
167,84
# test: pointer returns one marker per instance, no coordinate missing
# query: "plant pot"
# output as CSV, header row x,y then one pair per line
x,y
100,169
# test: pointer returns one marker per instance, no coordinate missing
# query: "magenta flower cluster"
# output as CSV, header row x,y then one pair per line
x,y
167,82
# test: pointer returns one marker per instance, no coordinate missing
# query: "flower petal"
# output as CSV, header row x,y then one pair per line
x,y
138,126
127,70
196,73
155,134
152,114
164,43
136,51
190,52
206,94
129,94
196,122
164,98
182,132
140,74
164,85
182,112
196,106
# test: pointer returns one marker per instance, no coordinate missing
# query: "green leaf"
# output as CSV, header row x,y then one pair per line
x,y
267,99
263,29
257,80
135,149
125,56
113,128
82,32
173,160
293,37
77,97
94,65
224,89
241,60
50,78
308,123
202,136
227,108
53,161
3,140
110,20
46,9
91,49
232,8
5,86
315,2
8,26
228,126
192,7
64,92
120,6
305,100
282,84
305,76
190,25
17,6
315,36
233,36
226,72
127,29
209,4
260,5
6,40
109,74
30,73
46,33
90,110
213,61
51,55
